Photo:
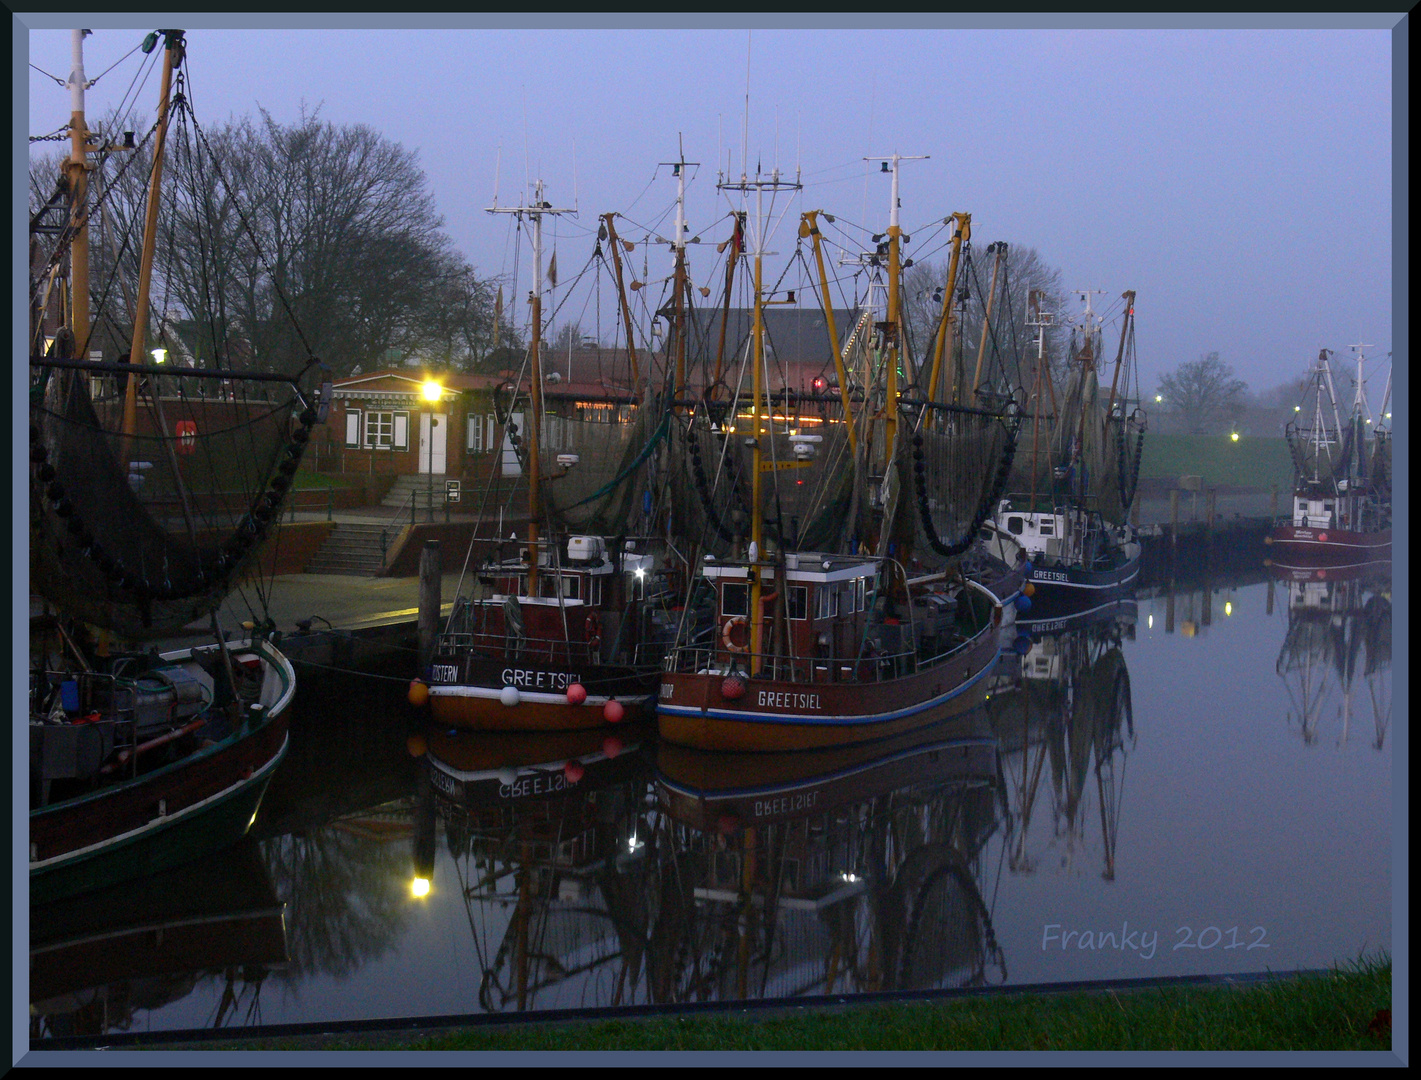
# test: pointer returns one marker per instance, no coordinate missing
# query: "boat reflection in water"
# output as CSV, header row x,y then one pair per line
x,y
99,961
547,834
1338,641
831,871
1061,706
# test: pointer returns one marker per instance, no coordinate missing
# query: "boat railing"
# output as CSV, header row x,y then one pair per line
x,y
872,666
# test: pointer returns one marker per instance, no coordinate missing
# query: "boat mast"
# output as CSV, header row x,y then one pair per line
x,y
962,232
758,467
809,226
535,213
172,57
78,170
679,245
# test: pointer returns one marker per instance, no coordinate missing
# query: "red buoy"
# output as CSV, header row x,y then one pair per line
x,y
573,770
732,688
612,746
576,694
613,711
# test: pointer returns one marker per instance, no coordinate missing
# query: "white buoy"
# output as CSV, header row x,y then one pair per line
x,y
509,696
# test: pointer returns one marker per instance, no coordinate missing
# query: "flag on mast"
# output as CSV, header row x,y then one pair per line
x,y
553,270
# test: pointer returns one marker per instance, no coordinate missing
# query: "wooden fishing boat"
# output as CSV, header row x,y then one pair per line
x,y
784,649
1342,492
152,487
563,635
145,765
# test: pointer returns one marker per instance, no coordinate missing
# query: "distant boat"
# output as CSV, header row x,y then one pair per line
x,y
1075,529
1342,478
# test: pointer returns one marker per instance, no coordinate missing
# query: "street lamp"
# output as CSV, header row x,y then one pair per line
x,y
432,393
159,355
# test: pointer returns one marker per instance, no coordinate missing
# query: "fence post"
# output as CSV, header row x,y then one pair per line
x,y
330,504
429,602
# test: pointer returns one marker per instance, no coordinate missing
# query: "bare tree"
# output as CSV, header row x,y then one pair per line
x,y
1203,394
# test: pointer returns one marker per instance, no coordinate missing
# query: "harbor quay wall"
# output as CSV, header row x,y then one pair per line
x,y
454,539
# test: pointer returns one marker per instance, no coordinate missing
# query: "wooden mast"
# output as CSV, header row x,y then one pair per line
x,y
78,169
534,213
172,57
809,226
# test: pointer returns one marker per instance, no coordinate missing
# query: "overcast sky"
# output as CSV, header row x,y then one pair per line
x,y
1239,180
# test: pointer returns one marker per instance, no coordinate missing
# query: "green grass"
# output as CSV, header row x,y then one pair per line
x,y
1336,1011
1253,462
306,480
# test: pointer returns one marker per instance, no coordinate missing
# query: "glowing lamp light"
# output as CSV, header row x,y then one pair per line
x,y
432,390
160,355
419,888
1159,397
1228,607
1234,436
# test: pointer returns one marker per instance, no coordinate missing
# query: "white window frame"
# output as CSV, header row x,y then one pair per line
x,y
353,436
474,440
398,434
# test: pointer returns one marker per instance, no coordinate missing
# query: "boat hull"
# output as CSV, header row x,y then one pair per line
x,y
471,695
1294,546
182,811
777,715
1062,588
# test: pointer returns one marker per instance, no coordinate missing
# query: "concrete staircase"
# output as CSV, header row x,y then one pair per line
x,y
398,496
352,549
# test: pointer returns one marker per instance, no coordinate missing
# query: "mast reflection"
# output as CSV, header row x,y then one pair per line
x,y
1062,708
1338,641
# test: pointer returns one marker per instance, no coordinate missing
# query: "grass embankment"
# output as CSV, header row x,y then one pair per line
x,y
1339,1011
307,480
1256,462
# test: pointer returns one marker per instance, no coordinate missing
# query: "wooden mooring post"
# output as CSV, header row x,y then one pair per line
x,y
430,578
1173,525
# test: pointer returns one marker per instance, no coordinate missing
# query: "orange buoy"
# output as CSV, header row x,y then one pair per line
x,y
1029,589
419,693
416,744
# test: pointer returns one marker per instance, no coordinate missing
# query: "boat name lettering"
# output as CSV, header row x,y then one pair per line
x,y
787,804
777,699
1050,575
541,784
667,691
445,673
552,680
446,784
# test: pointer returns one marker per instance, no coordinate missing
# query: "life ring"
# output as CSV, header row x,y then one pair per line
x,y
592,625
729,628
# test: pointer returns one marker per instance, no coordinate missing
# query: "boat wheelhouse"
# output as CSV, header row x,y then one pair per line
x,y
843,659
574,645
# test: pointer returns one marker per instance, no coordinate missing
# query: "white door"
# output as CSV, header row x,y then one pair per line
x,y
433,459
510,455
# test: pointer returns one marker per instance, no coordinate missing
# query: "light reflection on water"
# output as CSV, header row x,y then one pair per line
x,y
1192,783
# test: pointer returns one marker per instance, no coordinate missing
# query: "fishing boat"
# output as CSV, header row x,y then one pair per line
x,y
562,632
1073,521
1342,470
785,647
151,488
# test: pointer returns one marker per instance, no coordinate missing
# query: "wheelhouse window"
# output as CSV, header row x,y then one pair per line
x,y
828,602
735,599
548,586
798,601
1015,526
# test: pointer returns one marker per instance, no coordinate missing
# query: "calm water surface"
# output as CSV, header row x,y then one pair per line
x,y
1196,783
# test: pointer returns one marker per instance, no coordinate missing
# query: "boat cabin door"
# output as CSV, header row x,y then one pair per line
x,y
433,458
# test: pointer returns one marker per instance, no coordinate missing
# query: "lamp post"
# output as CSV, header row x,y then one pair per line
x,y
432,393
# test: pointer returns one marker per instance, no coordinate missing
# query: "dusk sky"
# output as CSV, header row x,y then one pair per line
x,y
1239,180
